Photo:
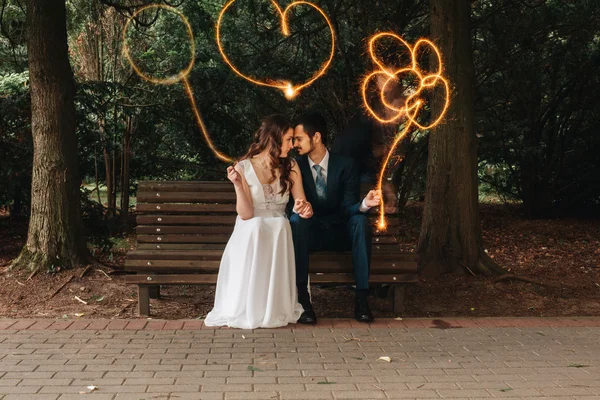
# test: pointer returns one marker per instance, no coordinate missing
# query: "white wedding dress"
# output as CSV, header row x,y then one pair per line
x,y
256,287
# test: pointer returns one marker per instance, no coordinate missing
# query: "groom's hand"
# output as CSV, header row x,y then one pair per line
x,y
307,211
373,198
299,206
302,208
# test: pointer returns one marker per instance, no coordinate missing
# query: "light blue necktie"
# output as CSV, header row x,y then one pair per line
x,y
320,183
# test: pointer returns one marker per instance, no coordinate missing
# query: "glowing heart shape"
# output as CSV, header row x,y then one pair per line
x,y
288,88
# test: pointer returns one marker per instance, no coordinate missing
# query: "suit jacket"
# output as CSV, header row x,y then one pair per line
x,y
343,190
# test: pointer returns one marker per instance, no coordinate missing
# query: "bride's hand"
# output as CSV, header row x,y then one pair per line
x,y
234,176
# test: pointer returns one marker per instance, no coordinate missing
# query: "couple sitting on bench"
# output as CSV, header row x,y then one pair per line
x,y
263,275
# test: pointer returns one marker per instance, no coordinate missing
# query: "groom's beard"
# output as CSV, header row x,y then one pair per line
x,y
310,149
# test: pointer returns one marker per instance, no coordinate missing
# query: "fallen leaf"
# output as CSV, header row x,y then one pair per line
x,y
90,388
385,359
251,368
505,389
577,366
325,383
79,314
358,340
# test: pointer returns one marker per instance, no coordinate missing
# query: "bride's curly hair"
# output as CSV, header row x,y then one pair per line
x,y
270,136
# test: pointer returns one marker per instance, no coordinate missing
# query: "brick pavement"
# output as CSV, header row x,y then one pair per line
x,y
459,358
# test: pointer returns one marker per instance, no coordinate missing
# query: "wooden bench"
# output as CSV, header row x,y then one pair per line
x,y
183,227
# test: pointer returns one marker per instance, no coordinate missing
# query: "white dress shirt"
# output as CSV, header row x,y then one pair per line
x,y
324,165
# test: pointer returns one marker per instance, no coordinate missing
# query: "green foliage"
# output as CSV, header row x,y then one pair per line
x,y
15,142
538,108
99,230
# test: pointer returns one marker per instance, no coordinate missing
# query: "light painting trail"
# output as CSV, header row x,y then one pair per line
x,y
289,89
413,104
181,76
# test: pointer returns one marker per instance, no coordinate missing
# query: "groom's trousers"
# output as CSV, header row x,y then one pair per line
x,y
314,234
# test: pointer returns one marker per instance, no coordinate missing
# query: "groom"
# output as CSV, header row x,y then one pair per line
x,y
331,184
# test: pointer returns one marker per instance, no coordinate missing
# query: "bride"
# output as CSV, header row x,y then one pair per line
x,y
256,287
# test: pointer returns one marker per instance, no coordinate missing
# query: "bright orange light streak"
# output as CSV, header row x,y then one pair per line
x,y
288,88
413,103
181,76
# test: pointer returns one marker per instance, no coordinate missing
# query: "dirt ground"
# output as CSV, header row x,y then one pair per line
x,y
562,252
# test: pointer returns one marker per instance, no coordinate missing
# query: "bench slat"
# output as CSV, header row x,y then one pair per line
x,y
183,239
203,230
185,186
217,246
216,254
203,186
184,229
216,238
212,266
162,219
375,278
196,208
199,279
180,246
186,197
186,208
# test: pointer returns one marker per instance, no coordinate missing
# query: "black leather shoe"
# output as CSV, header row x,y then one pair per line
x,y
362,313
308,317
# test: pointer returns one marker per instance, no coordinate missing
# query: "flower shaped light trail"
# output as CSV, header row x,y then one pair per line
x,y
414,103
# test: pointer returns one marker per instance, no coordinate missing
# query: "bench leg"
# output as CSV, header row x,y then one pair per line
x,y
398,293
154,292
144,300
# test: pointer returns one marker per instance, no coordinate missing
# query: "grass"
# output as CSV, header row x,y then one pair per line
x,y
104,195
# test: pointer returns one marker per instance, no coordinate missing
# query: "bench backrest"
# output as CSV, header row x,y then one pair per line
x,y
198,215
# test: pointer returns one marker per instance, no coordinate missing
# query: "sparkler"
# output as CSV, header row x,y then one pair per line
x,y
181,76
413,104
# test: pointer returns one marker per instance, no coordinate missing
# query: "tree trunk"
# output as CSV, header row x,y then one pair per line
x,y
97,176
126,156
110,206
450,238
114,155
55,237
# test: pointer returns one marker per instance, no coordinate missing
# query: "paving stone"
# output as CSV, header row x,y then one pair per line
x,y
154,360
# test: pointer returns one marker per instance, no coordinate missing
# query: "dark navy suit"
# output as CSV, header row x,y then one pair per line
x,y
337,223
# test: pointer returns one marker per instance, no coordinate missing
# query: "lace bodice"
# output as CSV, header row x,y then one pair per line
x,y
264,196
